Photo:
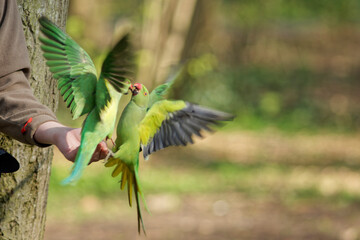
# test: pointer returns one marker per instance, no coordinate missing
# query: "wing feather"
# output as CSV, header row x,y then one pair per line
x,y
118,65
173,123
71,66
160,92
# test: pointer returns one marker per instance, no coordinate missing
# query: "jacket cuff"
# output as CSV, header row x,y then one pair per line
x,y
32,125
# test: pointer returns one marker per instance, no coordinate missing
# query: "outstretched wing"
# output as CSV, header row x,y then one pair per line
x,y
71,66
173,123
160,92
118,65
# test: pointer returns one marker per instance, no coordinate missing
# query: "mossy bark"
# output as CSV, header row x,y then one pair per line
x,y
23,195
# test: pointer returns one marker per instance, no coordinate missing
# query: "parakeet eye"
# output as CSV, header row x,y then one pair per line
x,y
145,93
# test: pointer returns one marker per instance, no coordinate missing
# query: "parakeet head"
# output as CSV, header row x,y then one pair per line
x,y
140,95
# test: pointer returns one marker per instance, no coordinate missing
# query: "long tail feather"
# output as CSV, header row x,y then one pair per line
x,y
130,177
82,160
137,180
89,140
139,217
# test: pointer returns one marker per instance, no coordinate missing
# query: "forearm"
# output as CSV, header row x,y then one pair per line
x,y
48,132
18,106
66,139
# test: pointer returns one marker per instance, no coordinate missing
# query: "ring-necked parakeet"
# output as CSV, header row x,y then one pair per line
x,y
83,91
150,123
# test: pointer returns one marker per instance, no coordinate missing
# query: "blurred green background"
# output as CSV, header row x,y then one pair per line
x,y
287,167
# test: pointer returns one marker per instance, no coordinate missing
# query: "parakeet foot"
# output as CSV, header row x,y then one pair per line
x,y
110,154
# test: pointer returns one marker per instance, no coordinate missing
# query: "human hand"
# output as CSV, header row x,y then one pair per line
x,y
67,140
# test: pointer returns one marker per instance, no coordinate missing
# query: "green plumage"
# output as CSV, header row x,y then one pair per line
x,y
155,117
150,123
82,91
161,91
126,149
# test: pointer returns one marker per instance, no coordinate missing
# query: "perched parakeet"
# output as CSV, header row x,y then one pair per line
x,y
83,91
150,123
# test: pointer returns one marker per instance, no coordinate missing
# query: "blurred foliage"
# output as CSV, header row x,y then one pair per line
x,y
278,64
291,65
259,12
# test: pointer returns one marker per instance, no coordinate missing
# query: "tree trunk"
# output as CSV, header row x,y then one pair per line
x,y
23,195
165,33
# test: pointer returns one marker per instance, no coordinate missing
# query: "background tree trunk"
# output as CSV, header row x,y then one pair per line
x,y
165,33
23,195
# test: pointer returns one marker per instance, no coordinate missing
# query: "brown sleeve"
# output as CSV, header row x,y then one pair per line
x,y
17,102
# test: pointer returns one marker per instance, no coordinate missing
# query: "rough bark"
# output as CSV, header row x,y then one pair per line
x,y
23,195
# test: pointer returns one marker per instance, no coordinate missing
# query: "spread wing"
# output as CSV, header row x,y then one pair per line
x,y
160,92
71,66
173,123
118,65
116,69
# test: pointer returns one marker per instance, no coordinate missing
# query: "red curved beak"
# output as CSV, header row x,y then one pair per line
x,y
136,88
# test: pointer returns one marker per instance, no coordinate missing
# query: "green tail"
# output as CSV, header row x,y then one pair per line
x,y
90,138
137,193
82,159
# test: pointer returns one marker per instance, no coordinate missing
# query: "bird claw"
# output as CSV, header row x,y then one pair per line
x,y
110,154
112,141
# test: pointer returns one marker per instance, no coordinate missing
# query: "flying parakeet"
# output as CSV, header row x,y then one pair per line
x,y
83,91
150,123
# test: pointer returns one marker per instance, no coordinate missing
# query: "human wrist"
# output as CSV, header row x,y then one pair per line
x,y
48,132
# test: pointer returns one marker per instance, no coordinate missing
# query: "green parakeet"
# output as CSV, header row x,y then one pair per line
x,y
150,123
83,91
